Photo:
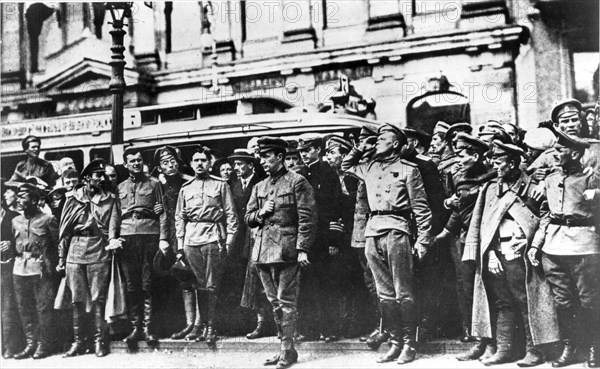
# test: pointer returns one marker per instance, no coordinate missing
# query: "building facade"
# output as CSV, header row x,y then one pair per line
x,y
509,59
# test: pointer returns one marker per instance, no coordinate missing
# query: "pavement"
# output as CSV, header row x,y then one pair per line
x,y
239,353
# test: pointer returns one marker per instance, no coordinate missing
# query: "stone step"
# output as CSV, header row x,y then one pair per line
x,y
241,344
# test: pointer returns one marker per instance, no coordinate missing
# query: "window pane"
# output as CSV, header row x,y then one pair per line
x,y
263,19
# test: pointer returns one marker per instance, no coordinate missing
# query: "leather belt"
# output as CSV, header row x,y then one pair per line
x,y
139,215
401,213
27,255
85,233
574,222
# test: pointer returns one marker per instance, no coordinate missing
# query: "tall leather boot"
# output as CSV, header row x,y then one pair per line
x,y
78,346
288,354
277,316
533,356
99,347
150,338
211,334
504,338
391,323
591,317
566,322
379,335
259,331
135,316
31,343
189,305
408,314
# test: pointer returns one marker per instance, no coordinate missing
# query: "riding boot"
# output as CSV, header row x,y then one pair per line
x,y
149,337
379,335
31,343
566,322
135,316
533,356
99,346
408,314
211,333
391,323
288,354
78,346
189,304
259,331
591,319
504,338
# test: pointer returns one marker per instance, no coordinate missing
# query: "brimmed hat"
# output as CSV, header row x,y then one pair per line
x,y
417,133
393,129
242,154
30,189
366,132
565,107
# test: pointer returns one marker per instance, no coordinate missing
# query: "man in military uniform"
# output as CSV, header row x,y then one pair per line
x,y
91,219
437,146
252,295
281,207
168,161
143,232
428,270
468,177
504,221
567,117
36,240
11,324
396,194
366,143
569,245
319,284
206,224
33,166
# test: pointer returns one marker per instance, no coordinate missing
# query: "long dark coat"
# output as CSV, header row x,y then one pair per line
x,y
490,208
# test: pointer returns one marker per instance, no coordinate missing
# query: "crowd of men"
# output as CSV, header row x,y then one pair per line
x,y
327,229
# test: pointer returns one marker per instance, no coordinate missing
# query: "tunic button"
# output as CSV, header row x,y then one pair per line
x,y
272,223
272,192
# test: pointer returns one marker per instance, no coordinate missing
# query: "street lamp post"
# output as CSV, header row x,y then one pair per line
x,y
118,12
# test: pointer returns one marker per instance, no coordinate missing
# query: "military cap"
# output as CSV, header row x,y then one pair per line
x,y
590,111
565,107
441,127
490,128
366,132
417,133
57,193
96,165
309,139
242,154
458,127
395,130
466,141
166,151
31,138
573,142
500,148
29,189
336,141
162,262
266,144
539,139
292,147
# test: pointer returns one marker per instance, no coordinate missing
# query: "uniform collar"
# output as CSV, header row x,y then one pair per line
x,y
83,196
279,174
513,185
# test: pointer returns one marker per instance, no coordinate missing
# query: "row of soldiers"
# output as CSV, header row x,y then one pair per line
x,y
520,226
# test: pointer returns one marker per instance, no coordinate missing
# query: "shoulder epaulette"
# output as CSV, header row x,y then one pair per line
x,y
217,178
188,182
409,163
423,157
